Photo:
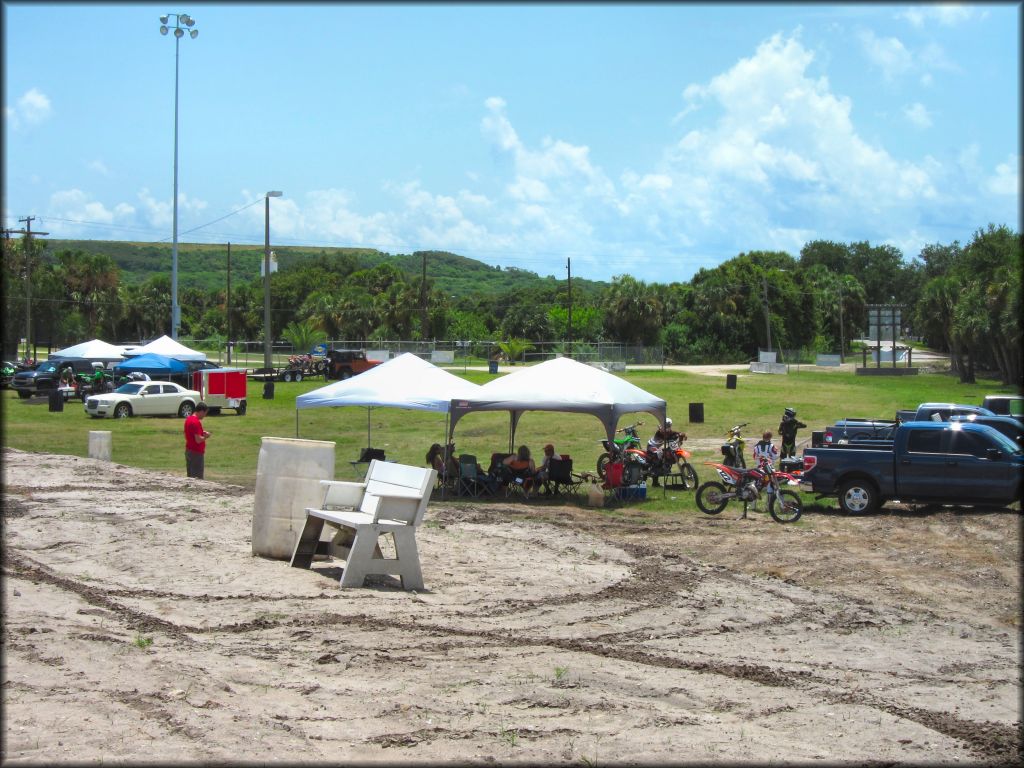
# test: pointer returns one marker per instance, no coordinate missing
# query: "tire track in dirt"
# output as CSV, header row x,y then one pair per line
x,y
652,582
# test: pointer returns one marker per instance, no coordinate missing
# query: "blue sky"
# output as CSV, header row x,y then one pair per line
x,y
651,140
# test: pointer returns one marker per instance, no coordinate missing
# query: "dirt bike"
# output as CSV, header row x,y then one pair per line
x,y
747,485
616,450
732,449
668,460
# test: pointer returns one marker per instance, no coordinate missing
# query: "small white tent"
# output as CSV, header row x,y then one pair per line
x,y
95,350
564,385
168,347
406,381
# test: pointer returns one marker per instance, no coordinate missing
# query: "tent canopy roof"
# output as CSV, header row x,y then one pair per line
x,y
151,362
406,381
95,349
168,347
562,384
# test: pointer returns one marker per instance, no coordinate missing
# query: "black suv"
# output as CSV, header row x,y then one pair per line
x,y
46,376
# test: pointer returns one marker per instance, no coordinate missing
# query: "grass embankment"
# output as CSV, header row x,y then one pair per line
x,y
820,397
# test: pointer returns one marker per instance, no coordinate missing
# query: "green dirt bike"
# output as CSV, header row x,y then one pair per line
x,y
616,450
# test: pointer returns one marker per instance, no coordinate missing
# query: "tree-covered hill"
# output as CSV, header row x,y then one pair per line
x,y
205,266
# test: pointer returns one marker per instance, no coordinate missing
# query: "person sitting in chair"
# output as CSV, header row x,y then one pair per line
x,y
444,462
545,466
523,467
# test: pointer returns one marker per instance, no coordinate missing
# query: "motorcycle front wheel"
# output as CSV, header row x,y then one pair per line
x,y
682,476
712,498
785,507
603,461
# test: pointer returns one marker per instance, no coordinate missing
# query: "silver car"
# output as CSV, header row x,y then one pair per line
x,y
143,398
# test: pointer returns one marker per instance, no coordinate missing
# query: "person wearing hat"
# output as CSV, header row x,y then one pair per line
x,y
787,431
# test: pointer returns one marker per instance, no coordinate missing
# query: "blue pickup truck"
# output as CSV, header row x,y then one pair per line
x,y
926,461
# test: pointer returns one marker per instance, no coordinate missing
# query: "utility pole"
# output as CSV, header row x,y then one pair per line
x,y
425,326
842,340
568,268
767,321
28,280
227,304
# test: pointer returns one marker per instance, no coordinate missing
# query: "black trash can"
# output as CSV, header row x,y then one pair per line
x,y
492,366
56,401
817,438
696,413
730,381
268,390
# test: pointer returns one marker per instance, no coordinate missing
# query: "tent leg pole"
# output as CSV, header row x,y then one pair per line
x,y
368,427
296,423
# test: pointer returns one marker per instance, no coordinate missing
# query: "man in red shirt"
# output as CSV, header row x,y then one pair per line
x,y
195,442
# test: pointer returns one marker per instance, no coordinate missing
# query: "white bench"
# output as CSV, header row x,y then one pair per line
x,y
392,499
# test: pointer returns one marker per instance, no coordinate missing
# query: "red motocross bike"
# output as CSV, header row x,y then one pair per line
x,y
748,485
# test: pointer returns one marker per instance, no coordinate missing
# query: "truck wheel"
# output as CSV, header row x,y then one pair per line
x,y
22,394
712,498
857,497
298,376
346,373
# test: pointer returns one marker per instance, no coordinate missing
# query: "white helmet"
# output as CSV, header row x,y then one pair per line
x,y
668,422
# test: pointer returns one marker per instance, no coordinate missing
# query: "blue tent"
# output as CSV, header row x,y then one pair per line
x,y
152,364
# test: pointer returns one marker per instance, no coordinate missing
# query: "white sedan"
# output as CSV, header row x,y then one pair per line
x,y
143,398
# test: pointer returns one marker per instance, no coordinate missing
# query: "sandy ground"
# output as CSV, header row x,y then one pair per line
x,y
138,626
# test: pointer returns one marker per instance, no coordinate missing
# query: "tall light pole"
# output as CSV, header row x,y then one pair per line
x,y
179,32
267,336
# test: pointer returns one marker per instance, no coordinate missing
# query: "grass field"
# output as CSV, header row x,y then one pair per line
x,y
820,397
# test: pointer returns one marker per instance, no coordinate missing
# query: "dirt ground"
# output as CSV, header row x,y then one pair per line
x,y
139,627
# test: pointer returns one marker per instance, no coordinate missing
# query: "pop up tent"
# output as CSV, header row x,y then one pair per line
x,y
168,347
153,365
405,381
563,385
93,350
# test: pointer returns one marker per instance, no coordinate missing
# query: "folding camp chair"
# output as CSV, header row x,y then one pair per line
x,y
472,482
561,478
366,455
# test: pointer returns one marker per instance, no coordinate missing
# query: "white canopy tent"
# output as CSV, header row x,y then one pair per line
x,y
406,381
95,349
168,347
561,384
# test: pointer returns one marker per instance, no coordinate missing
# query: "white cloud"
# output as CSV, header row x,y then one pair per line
x,y
918,115
946,14
99,166
76,206
32,108
888,54
160,213
1006,179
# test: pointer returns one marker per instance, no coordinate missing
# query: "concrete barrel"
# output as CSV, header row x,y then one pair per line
x,y
100,445
288,476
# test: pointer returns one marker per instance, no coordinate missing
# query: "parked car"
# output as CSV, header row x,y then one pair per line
x,y
855,430
46,376
942,411
143,398
1005,405
927,461
1008,425
346,363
